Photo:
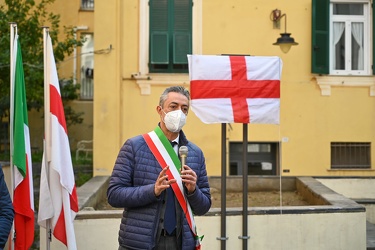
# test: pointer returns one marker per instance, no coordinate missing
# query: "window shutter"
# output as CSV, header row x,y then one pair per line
x,y
181,47
159,38
159,47
182,30
320,37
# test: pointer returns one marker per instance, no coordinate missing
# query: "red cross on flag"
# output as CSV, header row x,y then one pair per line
x,y
235,89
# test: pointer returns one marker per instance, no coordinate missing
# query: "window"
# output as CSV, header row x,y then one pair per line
x,y
261,158
341,41
87,68
349,39
349,155
87,4
170,38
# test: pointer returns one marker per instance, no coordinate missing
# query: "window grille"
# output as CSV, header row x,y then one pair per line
x,y
87,68
346,155
87,4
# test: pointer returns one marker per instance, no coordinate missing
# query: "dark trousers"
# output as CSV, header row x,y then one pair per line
x,y
165,243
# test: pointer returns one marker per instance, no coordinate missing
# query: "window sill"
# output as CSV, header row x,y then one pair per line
x,y
326,82
145,82
86,9
351,169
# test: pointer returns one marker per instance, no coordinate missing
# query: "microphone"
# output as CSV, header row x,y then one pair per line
x,y
183,151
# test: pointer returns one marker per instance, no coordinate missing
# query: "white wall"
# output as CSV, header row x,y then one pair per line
x,y
352,188
356,189
341,231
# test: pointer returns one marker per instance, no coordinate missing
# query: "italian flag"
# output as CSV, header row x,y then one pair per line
x,y
23,198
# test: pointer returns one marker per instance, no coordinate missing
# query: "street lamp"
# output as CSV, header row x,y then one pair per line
x,y
285,41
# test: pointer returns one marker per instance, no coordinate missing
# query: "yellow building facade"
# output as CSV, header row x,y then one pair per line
x,y
78,15
327,119
320,114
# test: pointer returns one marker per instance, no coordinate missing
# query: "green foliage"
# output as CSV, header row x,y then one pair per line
x,y
81,178
69,92
30,17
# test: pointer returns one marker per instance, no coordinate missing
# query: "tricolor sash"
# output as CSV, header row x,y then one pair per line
x,y
166,156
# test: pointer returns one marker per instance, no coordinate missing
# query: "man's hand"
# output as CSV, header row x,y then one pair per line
x,y
189,178
162,182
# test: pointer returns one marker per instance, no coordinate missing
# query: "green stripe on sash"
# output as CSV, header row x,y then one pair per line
x,y
164,140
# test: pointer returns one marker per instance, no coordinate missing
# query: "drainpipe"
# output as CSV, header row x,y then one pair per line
x,y
75,29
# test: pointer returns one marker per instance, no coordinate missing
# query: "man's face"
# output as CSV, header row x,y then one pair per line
x,y
175,101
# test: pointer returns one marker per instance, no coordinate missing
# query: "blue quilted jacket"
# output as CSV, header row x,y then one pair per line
x,y
131,187
6,211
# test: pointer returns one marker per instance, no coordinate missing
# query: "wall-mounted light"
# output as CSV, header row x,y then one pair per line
x,y
285,41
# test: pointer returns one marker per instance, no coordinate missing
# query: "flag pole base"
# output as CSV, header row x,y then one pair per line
x,y
243,237
222,238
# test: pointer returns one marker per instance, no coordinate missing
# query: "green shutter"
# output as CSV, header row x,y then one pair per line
x,y
159,37
170,35
320,37
159,48
181,47
182,29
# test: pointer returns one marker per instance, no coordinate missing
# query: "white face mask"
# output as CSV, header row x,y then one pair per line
x,y
174,120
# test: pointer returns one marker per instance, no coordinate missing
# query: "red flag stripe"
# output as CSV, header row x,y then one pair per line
x,y
238,66
56,106
239,74
24,216
56,109
203,89
73,200
60,230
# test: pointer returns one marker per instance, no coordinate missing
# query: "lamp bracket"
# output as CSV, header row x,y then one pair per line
x,y
276,17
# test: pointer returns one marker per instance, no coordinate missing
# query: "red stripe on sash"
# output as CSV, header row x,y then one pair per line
x,y
179,195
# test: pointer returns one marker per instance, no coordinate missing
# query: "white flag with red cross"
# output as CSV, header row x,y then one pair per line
x,y
58,200
235,89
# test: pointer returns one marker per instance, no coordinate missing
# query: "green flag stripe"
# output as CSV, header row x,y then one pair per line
x,y
20,115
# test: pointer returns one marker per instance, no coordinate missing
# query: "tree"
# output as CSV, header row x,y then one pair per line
x,y
30,17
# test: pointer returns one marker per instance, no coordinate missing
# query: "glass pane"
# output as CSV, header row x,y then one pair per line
x,y
265,148
87,4
348,9
357,46
339,50
87,68
253,148
233,168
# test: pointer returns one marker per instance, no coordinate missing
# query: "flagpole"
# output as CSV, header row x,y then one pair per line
x,y
223,237
13,32
47,132
244,236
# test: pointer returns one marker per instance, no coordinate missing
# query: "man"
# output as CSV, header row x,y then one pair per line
x,y
146,179
6,211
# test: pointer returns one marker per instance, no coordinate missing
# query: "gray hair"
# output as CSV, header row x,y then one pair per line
x,y
177,89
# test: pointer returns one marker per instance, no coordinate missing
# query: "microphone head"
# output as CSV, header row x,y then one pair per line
x,y
183,151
